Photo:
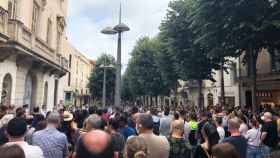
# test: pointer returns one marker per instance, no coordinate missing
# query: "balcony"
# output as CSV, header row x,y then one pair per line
x,y
3,24
21,38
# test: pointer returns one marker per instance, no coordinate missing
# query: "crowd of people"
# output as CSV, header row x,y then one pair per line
x,y
182,132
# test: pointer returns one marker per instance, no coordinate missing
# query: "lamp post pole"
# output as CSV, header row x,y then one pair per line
x,y
119,29
104,86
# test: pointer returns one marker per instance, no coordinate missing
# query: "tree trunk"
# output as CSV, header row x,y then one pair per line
x,y
156,101
222,102
253,58
199,98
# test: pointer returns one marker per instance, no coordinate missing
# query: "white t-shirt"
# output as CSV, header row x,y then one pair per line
x,y
254,137
30,151
222,133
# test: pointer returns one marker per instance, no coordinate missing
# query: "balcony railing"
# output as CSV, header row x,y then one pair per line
x,y
19,33
3,21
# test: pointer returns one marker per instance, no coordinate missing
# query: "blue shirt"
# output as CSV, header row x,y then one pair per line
x,y
52,142
127,132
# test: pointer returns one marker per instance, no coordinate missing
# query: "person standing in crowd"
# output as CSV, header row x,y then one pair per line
x,y
165,123
136,147
243,125
224,150
156,120
37,116
53,143
125,130
202,122
118,139
5,115
16,130
220,128
179,148
236,139
211,138
192,124
254,140
12,151
269,132
95,144
158,146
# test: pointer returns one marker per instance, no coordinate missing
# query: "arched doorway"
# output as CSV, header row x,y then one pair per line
x,y
6,90
30,90
210,99
45,101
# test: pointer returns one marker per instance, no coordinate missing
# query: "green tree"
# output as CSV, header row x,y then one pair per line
x,y
190,57
238,26
96,79
143,76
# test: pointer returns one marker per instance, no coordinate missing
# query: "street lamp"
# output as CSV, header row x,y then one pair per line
x,y
118,29
105,67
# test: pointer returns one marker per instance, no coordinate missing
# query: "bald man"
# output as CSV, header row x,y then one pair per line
x,y
95,144
269,131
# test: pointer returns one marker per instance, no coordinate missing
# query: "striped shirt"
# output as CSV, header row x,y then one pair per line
x,y
52,142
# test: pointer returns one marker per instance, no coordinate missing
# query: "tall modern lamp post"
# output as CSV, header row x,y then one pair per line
x,y
105,67
118,29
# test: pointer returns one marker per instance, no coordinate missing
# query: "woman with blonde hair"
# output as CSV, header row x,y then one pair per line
x,y
136,147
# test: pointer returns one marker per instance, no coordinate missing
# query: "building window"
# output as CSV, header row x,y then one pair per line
x,y
69,79
35,17
49,32
70,61
12,8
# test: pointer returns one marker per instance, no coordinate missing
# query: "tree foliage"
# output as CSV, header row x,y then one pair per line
x,y
143,76
96,78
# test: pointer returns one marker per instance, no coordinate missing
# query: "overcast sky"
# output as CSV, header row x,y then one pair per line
x,y
88,17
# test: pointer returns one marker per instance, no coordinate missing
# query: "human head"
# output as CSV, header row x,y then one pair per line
x,y
54,119
36,109
114,124
267,117
95,144
166,111
136,147
233,125
210,134
219,121
178,128
224,150
12,151
20,112
17,128
94,122
144,123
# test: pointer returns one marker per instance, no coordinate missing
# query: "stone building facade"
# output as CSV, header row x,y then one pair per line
x,y
76,91
32,52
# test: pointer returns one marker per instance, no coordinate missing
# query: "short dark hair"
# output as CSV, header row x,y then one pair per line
x,y
36,109
146,121
17,127
20,112
219,120
166,111
83,152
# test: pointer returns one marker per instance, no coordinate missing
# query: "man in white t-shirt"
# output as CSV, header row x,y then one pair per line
x,y
16,130
220,128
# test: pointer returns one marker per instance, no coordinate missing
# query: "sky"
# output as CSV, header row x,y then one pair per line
x,y
88,17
